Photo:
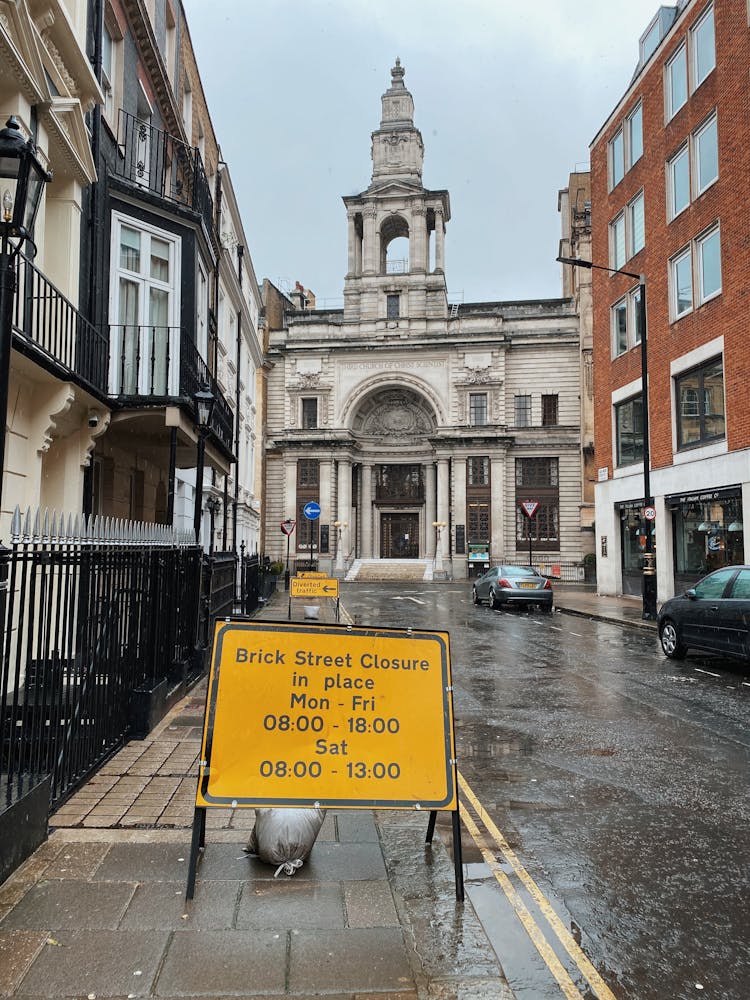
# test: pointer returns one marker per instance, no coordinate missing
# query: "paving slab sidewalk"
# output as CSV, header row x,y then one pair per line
x,y
99,910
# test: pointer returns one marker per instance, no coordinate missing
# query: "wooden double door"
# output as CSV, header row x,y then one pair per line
x,y
399,535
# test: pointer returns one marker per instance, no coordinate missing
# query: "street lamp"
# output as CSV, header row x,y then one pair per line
x,y
339,526
438,526
649,568
213,503
204,401
22,179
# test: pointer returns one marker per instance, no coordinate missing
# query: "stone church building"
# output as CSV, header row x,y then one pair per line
x,y
419,427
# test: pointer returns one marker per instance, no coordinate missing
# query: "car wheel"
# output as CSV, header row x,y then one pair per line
x,y
670,640
475,596
494,602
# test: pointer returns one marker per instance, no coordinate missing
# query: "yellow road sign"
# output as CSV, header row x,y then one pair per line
x,y
311,573
300,715
315,587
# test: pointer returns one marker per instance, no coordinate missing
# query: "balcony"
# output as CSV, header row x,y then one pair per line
x,y
160,366
165,166
49,329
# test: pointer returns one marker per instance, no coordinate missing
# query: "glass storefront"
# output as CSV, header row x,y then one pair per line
x,y
633,528
708,533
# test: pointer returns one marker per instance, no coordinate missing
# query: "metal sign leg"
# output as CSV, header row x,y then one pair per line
x,y
197,844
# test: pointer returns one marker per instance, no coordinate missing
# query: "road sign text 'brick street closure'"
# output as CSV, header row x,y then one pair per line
x,y
326,715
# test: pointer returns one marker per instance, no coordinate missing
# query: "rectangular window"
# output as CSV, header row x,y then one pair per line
x,y
478,409
650,41
522,411
616,159
308,473
478,520
108,72
309,413
549,411
709,265
676,82
629,431
538,479
679,182
635,135
620,327
478,471
144,296
704,48
637,227
617,242
706,155
393,306
682,284
700,405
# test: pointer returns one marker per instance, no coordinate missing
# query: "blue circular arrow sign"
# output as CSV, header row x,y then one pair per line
x,y
311,511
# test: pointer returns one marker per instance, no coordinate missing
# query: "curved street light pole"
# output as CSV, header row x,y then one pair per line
x,y
648,585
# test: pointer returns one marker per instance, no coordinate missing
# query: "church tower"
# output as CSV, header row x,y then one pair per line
x,y
396,228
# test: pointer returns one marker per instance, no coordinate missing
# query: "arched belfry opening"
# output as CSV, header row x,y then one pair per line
x,y
394,246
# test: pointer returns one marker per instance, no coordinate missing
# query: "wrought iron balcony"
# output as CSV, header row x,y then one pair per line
x,y
48,328
164,165
157,365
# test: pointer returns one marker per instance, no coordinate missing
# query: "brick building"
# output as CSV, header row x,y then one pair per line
x,y
669,182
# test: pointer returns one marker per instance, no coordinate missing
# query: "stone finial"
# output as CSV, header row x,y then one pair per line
x,y
397,74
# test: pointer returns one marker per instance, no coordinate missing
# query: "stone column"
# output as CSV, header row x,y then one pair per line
x,y
344,510
352,248
497,506
439,241
430,509
418,240
370,249
443,502
366,511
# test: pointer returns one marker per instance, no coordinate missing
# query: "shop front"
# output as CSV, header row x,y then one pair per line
x,y
633,528
708,533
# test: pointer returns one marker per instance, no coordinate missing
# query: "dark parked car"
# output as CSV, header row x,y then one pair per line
x,y
713,615
503,585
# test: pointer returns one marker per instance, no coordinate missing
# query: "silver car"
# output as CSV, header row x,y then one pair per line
x,y
503,585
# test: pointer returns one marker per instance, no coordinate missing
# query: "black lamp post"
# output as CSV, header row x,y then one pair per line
x,y
649,568
204,401
213,503
22,179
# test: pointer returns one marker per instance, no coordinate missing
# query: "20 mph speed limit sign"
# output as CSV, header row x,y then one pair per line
x,y
649,513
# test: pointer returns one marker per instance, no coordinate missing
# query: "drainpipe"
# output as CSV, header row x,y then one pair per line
x,y
235,502
96,133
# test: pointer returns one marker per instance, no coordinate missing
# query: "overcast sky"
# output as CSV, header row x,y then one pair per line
x,y
508,96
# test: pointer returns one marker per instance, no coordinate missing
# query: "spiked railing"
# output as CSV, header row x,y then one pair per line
x,y
93,613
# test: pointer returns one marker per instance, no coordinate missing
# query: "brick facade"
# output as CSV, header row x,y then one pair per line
x,y
722,463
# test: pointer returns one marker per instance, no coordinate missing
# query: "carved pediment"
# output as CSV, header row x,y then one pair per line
x,y
394,413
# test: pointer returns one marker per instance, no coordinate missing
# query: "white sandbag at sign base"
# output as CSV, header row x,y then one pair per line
x,y
285,837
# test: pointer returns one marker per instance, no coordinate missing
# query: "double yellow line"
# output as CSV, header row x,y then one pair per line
x,y
566,939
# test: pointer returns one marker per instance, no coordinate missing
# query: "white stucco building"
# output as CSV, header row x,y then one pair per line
x,y
419,426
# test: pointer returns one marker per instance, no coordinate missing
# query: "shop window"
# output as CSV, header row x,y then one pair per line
x,y
707,534
700,405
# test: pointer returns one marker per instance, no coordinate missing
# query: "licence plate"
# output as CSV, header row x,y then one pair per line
x,y
528,586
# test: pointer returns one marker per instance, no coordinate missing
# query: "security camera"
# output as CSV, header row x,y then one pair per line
x,y
93,418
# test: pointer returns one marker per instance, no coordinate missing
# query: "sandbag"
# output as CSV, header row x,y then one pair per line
x,y
284,837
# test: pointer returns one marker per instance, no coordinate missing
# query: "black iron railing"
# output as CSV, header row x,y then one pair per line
x,y
159,363
93,618
48,326
164,165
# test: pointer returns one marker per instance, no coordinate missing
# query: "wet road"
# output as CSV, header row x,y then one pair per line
x,y
617,778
